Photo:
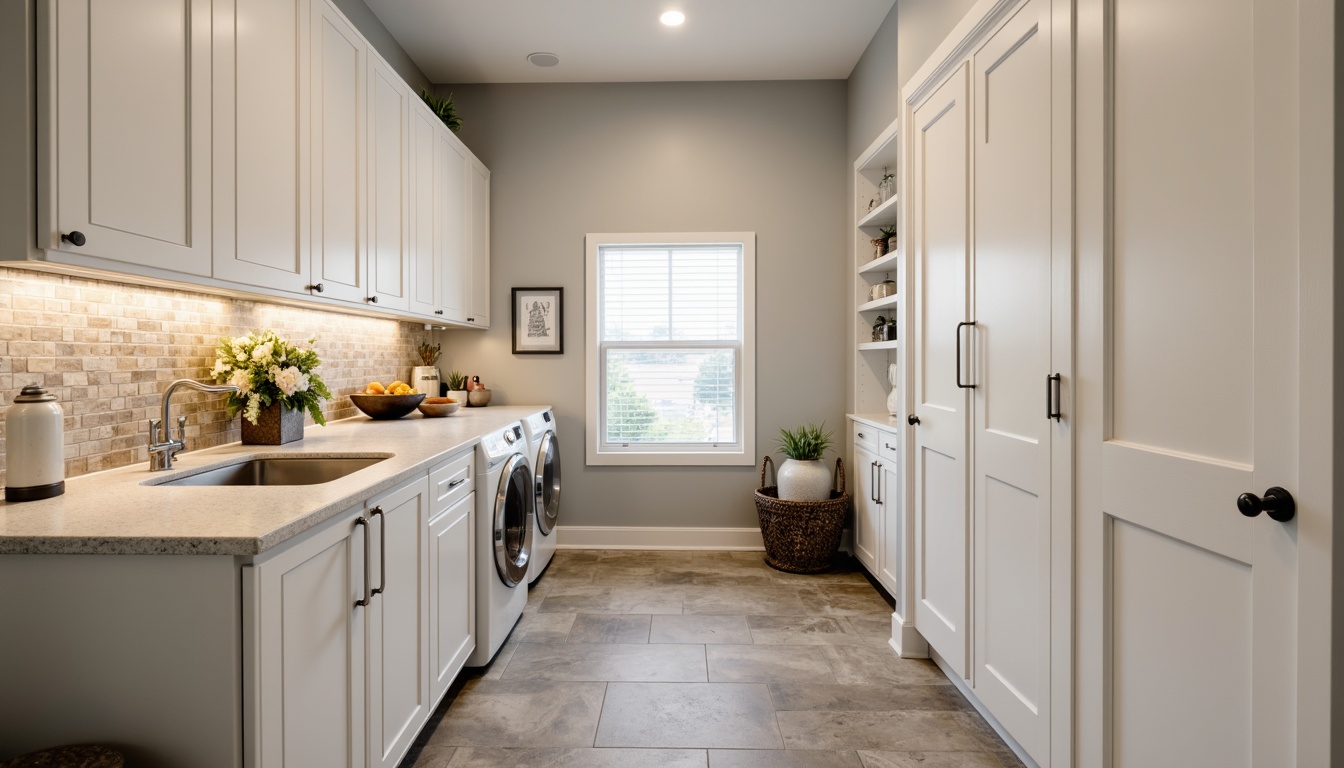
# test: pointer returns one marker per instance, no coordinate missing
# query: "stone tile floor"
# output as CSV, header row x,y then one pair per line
x,y
703,659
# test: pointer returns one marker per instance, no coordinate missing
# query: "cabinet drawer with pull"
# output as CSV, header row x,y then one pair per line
x,y
866,436
449,482
888,447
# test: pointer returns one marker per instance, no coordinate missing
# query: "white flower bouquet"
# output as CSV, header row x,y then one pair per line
x,y
267,369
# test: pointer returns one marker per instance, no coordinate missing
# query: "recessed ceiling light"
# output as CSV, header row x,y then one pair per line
x,y
673,18
542,59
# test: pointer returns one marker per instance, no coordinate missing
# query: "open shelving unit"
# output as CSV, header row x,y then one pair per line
x,y
872,358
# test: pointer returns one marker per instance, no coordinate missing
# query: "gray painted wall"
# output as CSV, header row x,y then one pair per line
x,y
387,46
923,26
568,159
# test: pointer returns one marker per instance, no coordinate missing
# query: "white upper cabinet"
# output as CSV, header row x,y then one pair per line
x,y
452,235
478,309
126,88
389,149
339,75
261,158
422,259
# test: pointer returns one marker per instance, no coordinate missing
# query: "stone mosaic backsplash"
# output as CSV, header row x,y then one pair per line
x,y
108,350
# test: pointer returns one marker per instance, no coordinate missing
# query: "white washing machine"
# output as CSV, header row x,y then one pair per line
x,y
544,451
504,514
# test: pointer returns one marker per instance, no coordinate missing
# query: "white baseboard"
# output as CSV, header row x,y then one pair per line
x,y
617,537
906,640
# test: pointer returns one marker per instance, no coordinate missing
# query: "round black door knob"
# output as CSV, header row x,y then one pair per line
x,y
912,419
1277,503
371,299
75,238
438,311
317,288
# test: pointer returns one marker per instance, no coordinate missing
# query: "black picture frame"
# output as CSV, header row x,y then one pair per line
x,y
538,321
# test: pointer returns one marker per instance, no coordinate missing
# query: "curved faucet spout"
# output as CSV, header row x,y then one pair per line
x,y
162,446
192,383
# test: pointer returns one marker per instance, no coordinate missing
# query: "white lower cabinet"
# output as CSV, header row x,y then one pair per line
x,y
878,519
353,632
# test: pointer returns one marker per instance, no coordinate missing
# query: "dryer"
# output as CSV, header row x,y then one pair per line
x,y
504,514
544,452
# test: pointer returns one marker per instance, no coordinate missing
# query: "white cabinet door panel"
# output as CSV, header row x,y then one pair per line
x,y
1011,432
130,159
389,185
478,312
452,229
892,525
941,252
867,482
261,145
422,258
452,592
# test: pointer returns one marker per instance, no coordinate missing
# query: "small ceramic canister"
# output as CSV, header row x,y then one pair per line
x,y
35,446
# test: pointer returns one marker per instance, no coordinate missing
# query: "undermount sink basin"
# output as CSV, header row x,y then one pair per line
x,y
287,470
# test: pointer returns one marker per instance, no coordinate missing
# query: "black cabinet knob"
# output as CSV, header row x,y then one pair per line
x,y
316,287
912,419
75,238
371,299
438,311
1277,503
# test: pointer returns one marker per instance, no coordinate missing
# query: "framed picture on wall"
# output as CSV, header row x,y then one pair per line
x,y
537,328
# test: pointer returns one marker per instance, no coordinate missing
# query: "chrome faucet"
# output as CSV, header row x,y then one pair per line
x,y
162,447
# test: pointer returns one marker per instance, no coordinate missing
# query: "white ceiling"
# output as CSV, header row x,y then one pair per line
x,y
487,41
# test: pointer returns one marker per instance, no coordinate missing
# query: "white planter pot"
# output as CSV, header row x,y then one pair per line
x,y
804,480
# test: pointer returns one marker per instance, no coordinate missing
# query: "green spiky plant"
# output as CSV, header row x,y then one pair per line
x,y
457,380
806,443
888,231
445,109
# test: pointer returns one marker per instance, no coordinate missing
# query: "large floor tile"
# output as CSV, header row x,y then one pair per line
x,y
767,664
909,731
807,630
859,665
434,757
613,599
605,628
522,713
776,758
688,628
704,715
881,759
478,757
867,698
990,740
770,599
844,600
544,627
594,662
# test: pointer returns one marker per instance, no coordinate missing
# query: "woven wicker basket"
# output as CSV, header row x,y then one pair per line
x,y
801,536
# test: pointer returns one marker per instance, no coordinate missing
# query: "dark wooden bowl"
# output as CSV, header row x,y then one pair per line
x,y
384,407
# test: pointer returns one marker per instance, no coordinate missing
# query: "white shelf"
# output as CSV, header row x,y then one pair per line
x,y
882,303
868,346
883,215
882,264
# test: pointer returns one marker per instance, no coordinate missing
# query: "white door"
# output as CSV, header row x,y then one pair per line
x,y
891,553
305,675
399,675
478,312
339,255
1189,206
451,593
261,147
422,259
867,481
452,234
941,249
389,185
1011,430
130,160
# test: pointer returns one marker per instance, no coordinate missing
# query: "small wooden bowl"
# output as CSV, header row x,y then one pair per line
x,y
438,407
478,397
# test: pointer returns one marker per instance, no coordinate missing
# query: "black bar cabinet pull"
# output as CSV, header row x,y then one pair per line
x,y
382,549
959,327
1052,397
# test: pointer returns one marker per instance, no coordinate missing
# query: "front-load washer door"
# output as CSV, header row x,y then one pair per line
x,y
547,478
513,521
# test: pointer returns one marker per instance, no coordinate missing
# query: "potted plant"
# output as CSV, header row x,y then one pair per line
x,y
445,109
803,476
457,386
889,234
426,377
276,380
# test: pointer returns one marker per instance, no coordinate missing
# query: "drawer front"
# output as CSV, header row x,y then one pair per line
x,y
889,447
866,436
450,481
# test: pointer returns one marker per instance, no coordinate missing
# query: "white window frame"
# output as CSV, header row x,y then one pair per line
x,y
741,453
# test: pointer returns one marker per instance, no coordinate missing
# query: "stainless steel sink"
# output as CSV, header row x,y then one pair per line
x,y
287,470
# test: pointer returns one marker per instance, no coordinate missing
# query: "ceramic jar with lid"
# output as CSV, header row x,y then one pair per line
x,y
34,446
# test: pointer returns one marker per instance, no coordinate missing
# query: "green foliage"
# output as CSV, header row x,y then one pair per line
x,y
714,381
806,443
445,109
888,231
267,369
457,380
637,414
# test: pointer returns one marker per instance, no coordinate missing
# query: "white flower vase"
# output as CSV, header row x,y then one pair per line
x,y
804,480
894,396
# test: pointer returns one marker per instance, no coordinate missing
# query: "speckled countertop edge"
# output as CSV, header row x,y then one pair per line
x,y
117,513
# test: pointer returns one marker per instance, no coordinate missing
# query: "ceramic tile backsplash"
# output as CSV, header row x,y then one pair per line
x,y
108,351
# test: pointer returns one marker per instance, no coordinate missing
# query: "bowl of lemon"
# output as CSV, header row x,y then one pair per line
x,y
385,403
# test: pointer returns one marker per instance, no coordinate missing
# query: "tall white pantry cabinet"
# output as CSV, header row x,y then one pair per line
x,y
1114,281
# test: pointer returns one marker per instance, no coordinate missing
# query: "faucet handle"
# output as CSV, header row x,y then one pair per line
x,y
155,427
182,429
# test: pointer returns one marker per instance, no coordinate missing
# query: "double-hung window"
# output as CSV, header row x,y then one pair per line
x,y
671,348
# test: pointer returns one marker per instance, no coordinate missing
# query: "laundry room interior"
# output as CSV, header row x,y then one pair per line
x,y
689,384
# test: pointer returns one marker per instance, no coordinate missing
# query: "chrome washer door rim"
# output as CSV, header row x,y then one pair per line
x,y
514,483
547,479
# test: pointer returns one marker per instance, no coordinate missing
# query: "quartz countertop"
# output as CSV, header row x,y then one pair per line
x,y
116,513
